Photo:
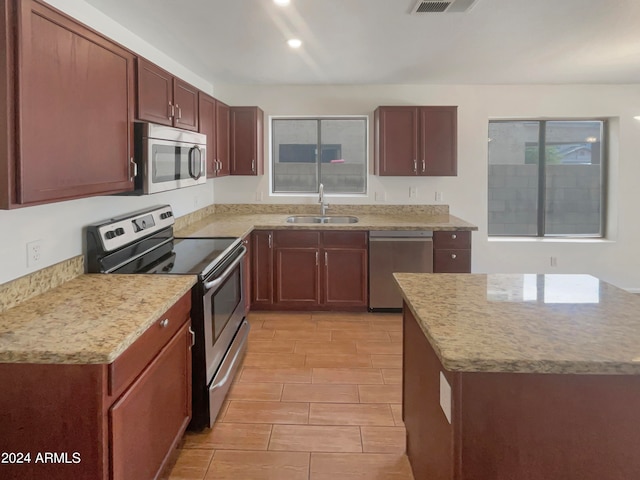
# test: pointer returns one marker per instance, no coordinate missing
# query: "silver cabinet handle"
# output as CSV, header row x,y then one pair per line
x,y
193,337
179,111
454,236
270,241
164,323
453,256
424,166
253,165
316,258
326,259
415,166
172,111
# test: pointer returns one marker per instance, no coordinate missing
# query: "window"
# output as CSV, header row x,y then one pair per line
x,y
310,151
546,178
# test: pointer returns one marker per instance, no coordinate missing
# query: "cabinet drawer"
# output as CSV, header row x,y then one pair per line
x,y
298,238
452,261
344,239
135,358
455,239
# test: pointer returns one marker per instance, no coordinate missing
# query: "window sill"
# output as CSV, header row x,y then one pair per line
x,y
549,240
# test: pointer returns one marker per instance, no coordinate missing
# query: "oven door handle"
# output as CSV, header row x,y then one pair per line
x,y
215,283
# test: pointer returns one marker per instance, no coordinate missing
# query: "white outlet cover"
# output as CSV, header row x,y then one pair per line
x,y
445,397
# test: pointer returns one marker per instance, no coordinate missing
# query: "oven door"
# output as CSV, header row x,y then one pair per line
x,y
224,307
171,164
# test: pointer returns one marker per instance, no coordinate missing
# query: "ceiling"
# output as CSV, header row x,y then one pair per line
x,y
380,42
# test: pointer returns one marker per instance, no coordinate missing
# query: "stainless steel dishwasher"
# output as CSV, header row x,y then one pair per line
x,y
390,251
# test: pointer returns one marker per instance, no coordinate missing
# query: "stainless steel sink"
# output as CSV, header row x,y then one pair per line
x,y
322,219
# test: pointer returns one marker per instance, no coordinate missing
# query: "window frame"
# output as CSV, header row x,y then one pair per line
x,y
318,118
540,208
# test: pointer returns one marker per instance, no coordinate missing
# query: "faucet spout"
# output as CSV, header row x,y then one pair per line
x,y
323,205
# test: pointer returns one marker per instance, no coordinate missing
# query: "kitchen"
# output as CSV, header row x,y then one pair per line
x,y
613,260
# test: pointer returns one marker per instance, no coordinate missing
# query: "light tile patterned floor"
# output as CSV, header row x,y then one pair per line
x,y
318,398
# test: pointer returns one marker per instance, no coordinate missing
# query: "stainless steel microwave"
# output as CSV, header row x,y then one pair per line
x,y
168,158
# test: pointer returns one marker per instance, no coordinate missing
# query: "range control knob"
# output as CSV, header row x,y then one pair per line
x,y
110,234
119,231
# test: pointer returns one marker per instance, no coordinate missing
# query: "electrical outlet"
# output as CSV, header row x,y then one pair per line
x,y
413,192
259,196
34,253
439,197
553,261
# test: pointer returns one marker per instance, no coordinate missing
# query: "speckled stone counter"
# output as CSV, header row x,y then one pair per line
x,y
90,319
526,323
240,224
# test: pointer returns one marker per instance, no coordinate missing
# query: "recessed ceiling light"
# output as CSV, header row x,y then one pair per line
x,y
282,3
637,117
294,42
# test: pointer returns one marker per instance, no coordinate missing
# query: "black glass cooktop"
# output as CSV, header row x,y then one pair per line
x,y
183,256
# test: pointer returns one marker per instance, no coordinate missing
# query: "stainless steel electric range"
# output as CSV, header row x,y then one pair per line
x,y
143,242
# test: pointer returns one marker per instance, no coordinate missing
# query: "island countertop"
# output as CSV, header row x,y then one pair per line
x,y
568,324
88,320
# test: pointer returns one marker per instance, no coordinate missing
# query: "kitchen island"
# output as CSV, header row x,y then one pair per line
x,y
528,377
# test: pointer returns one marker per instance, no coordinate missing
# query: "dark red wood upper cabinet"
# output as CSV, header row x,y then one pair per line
x,y
223,138
207,125
396,140
185,98
67,115
415,141
155,93
165,99
247,143
438,136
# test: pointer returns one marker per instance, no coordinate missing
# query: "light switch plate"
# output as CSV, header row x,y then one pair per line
x,y
445,397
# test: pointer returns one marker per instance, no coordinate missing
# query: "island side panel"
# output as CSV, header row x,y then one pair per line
x,y
431,439
550,426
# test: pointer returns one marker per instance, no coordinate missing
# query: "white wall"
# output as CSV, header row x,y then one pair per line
x,y
59,225
615,260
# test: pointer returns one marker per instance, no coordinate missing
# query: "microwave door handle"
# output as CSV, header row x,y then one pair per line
x,y
215,283
192,163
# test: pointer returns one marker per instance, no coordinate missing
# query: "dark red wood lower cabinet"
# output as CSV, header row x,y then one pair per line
x,y
118,421
517,426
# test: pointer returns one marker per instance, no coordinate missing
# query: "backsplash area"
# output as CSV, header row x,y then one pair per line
x,y
21,289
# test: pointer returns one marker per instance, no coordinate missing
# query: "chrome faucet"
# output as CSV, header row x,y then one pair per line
x,y
323,206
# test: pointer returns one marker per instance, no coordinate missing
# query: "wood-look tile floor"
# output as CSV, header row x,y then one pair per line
x,y
318,398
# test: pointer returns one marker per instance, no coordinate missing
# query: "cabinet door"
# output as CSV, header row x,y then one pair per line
x,y
75,109
185,100
261,268
297,277
438,141
207,125
297,268
222,138
396,139
345,269
155,93
246,141
149,419
345,277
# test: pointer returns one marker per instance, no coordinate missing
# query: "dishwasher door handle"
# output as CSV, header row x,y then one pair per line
x,y
400,239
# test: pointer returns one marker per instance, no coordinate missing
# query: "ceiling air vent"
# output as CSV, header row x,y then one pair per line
x,y
439,6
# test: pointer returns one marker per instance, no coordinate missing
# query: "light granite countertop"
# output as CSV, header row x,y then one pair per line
x,y
566,324
88,320
241,224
